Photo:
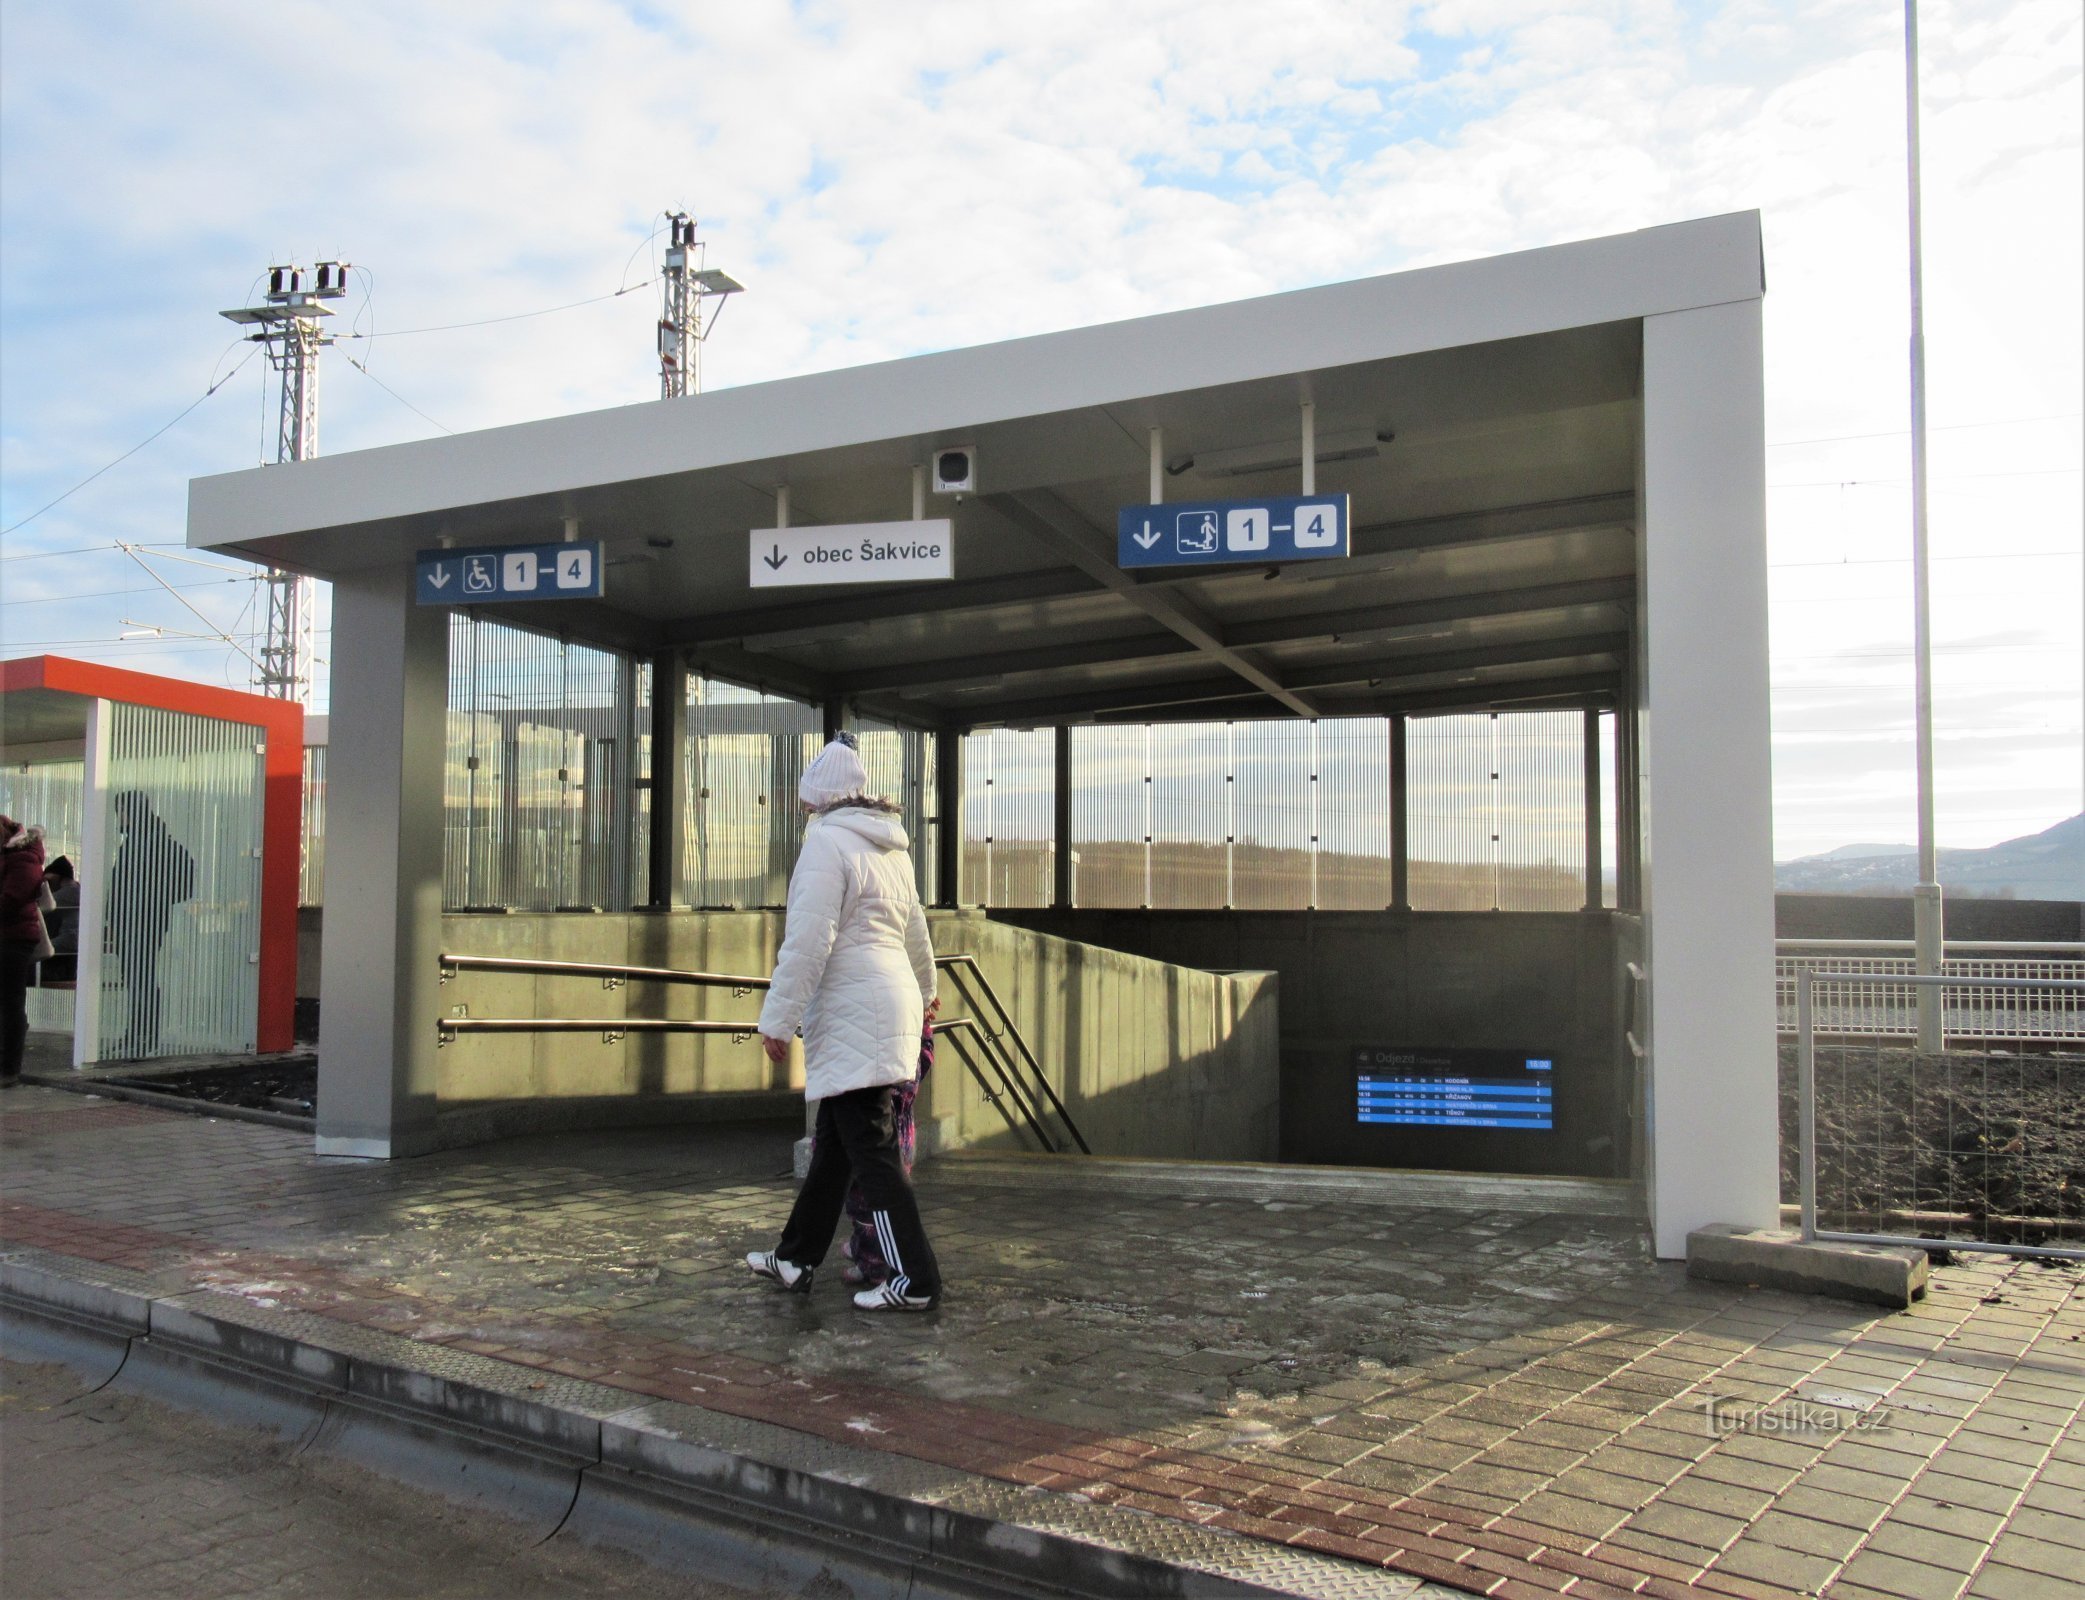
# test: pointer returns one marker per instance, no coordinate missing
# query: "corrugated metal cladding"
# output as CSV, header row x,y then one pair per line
x,y
182,885
542,737
47,793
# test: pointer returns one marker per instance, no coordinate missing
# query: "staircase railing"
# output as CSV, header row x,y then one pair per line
x,y
999,1041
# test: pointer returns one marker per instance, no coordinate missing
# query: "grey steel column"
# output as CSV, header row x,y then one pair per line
x,y
1925,896
380,982
1060,894
948,808
669,812
1593,864
1400,859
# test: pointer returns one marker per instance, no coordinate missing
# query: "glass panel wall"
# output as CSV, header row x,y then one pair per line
x,y
1353,790
1541,810
1111,817
538,780
311,860
182,885
1290,815
1276,779
746,750
1496,811
1009,817
901,768
47,793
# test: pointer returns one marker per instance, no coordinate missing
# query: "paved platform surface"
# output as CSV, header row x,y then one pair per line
x,y
1503,1401
133,1498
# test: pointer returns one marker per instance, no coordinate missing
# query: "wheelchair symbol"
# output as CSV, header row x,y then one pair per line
x,y
1195,533
479,576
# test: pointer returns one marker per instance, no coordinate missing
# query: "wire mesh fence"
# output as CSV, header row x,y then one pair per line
x,y
1980,1145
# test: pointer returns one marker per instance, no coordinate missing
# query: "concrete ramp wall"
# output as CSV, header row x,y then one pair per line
x,y
1150,1059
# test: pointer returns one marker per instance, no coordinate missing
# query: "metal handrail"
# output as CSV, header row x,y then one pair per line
x,y
957,1027
1969,947
612,975
1007,1021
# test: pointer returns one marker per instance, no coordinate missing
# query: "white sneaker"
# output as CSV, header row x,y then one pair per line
x,y
788,1274
884,1298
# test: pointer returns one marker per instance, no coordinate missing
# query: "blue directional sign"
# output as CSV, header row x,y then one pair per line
x,y
505,573
1215,532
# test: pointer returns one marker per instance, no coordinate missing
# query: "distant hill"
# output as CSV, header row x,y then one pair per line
x,y
2049,865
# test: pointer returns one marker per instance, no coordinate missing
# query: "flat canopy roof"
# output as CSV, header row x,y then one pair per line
x,y
1483,417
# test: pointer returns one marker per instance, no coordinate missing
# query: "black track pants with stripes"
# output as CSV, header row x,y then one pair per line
x,y
857,1137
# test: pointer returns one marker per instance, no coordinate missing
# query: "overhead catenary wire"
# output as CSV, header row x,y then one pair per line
x,y
133,450
395,395
518,316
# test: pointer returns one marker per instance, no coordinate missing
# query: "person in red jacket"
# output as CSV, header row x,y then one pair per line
x,y
21,932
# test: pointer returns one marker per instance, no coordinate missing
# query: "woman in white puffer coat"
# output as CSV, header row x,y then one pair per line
x,y
856,973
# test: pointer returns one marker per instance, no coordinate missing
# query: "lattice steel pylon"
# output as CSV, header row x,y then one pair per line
x,y
287,322
683,286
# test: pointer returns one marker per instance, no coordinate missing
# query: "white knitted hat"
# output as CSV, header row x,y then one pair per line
x,y
834,774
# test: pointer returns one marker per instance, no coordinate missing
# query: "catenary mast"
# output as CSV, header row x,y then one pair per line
x,y
288,324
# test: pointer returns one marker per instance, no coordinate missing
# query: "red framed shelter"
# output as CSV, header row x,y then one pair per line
x,y
47,702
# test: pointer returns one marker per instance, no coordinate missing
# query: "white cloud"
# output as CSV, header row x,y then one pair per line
x,y
889,181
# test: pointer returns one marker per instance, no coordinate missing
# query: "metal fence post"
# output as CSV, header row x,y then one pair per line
x,y
1806,1100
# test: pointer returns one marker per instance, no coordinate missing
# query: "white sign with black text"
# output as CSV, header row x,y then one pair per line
x,y
853,552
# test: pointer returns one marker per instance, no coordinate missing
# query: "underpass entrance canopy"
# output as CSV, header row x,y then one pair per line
x,y
1552,466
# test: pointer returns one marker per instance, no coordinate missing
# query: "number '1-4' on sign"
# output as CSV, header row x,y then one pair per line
x,y
1214,532
565,571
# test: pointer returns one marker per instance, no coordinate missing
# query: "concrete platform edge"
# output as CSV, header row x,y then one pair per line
x,y
657,1453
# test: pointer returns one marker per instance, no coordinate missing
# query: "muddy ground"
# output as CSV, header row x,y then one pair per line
x,y
1971,1143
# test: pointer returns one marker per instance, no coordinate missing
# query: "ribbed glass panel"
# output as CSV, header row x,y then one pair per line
x,y
1275,807
1190,808
1541,810
537,777
47,793
1009,817
182,885
1451,813
739,769
1610,829
1354,814
1110,816
311,861
1496,811
901,768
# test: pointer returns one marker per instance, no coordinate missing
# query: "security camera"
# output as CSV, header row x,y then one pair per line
x,y
955,470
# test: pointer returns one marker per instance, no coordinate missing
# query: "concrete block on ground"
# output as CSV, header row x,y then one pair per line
x,y
1776,1258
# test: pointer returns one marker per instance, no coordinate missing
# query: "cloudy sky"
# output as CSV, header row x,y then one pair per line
x,y
894,178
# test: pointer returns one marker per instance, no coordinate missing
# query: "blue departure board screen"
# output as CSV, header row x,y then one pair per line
x,y
1417,1087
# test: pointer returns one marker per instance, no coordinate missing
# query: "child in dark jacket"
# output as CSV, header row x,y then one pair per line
x,y
864,1252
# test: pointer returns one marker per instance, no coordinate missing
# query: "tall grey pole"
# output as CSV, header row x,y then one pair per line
x,y
1925,906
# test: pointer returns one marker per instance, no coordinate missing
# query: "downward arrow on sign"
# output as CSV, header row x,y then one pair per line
x,y
439,579
1147,538
775,558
